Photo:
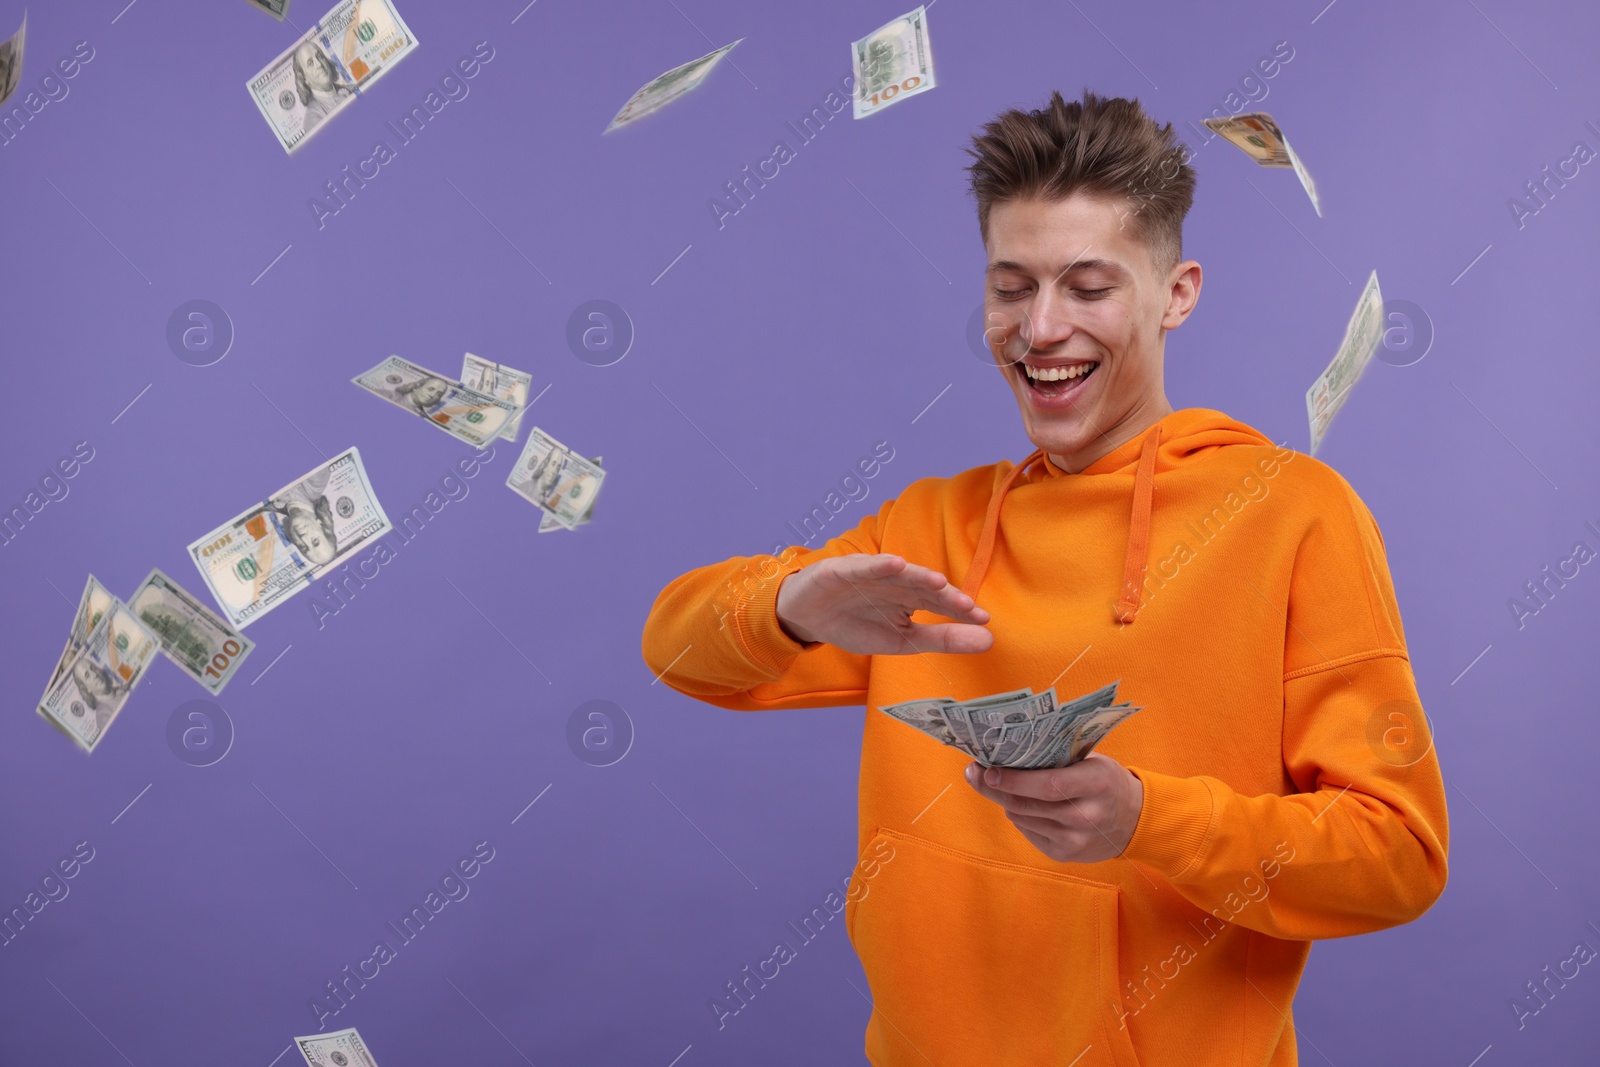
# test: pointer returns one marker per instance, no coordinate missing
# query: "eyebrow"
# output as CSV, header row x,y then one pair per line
x,y
1082,264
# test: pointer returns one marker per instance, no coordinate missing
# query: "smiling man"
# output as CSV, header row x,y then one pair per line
x,y
1156,902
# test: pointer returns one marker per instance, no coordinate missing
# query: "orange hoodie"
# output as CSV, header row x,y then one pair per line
x,y
1291,791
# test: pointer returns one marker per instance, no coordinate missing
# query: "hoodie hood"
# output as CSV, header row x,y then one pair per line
x,y
1183,436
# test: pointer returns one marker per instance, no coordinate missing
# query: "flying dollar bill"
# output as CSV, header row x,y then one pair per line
x,y
279,547
494,379
551,476
892,63
657,93
11,60
91,606
1020,729
463,413
547,521
342,1048
353,45
191,635
1362,335
276,8
95,686
1262,141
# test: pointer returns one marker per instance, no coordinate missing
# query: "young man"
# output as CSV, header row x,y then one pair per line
x,y
1155,903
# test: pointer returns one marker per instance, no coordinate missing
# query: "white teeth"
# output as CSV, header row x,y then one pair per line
x,y
1056,374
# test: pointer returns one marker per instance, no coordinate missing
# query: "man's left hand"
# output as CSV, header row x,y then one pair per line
x,y
1078,814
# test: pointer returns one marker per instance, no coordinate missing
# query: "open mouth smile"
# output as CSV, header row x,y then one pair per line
x,y
1056,384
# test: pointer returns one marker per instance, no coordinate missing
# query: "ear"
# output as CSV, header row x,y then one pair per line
x,y
1183,292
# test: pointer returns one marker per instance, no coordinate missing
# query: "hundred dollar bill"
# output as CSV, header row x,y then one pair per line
x,y
495,379
1021,729
555,479
657,93
1093,728
11,60
91,606
459,411
1362,335
1262,141
191,635
547,521
930,716
89,694
342,1048
277,548
352,46
276,8
892,62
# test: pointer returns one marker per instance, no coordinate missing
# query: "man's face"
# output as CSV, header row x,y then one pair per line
x,y
319,75
430,392
90,681
306,533
1069,284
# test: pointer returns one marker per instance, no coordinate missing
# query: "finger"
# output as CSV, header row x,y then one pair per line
x,y
859,567
957,638
1055,784
1012,803
1037,840
932,591
1043,825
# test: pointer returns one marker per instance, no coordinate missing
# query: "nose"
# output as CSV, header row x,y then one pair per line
x,y
1048,322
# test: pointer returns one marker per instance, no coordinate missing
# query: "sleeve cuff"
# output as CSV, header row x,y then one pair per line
x,y
755,623
1175,823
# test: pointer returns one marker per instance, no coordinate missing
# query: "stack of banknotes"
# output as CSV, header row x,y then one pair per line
x,y
112,643
1020,729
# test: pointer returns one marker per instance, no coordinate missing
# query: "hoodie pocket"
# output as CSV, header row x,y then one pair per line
x,y
978,961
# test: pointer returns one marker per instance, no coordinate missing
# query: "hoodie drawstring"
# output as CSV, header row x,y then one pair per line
x,y
1127,606
1144,491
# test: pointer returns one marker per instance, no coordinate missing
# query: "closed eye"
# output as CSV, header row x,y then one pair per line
x,y
1013,294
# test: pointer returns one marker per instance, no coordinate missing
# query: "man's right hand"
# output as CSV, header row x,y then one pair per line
x,y
863,604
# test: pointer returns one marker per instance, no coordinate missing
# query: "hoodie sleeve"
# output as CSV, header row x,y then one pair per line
x,y
713,633
1360,845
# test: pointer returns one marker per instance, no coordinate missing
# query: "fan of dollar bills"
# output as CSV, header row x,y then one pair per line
x,y
1021,729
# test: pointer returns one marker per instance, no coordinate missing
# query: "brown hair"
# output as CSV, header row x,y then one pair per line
x,y
1101,146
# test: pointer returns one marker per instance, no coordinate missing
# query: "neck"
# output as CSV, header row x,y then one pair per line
x,y
1127,429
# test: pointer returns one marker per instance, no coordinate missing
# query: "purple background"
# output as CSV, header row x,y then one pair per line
x,y
822,318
